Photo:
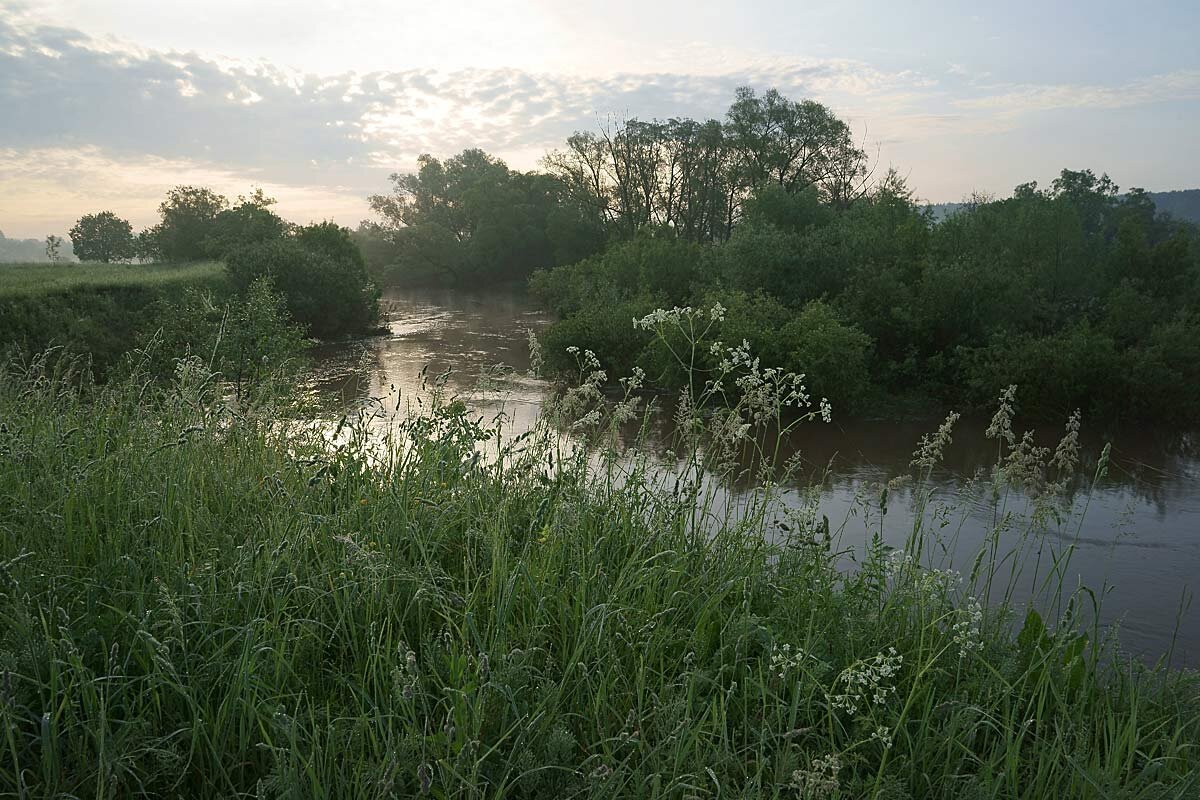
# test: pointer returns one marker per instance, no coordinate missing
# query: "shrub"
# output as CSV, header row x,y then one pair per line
x,y
320,275
835,357
249,340
603,328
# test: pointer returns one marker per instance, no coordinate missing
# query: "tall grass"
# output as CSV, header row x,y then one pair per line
x,y
200,602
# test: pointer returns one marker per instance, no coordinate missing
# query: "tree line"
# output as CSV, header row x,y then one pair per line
x,y
1084,296
471,216
317,269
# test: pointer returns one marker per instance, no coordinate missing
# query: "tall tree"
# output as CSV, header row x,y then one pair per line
x,y
471,216
188,214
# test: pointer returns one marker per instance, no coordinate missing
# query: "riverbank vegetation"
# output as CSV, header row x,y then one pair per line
x,y
233,264
96,309
1087,297
216,604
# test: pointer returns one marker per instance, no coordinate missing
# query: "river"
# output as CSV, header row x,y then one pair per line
x,y
1137,547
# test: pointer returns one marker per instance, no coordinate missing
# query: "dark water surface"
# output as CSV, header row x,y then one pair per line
x,y
1137,546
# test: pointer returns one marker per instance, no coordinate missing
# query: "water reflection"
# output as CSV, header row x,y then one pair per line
x,y
1138,545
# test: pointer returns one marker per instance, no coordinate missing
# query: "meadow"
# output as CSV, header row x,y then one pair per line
x,y
42,279
198,600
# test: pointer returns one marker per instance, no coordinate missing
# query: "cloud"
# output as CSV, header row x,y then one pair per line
x,y
66,89
89,118
1010,100
40,184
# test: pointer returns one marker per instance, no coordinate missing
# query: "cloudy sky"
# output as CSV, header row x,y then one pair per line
x,y
108,104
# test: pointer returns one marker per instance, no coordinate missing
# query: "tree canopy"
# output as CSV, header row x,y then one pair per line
x,y
471,216
102,237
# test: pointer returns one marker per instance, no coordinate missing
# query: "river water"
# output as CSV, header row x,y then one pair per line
x,y
1135,533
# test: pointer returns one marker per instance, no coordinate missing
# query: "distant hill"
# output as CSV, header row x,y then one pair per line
x,y
1182,204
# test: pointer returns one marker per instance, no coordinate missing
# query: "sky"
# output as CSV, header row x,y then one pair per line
x,y
106,105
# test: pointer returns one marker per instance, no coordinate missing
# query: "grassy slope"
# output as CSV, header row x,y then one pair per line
x,y
97,309
210,609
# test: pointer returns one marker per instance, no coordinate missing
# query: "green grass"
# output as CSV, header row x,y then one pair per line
x,y
196,602
40,279
96,310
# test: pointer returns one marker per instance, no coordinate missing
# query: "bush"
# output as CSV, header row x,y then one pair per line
x,y
606,329
321,276
249,339
834,357
658,268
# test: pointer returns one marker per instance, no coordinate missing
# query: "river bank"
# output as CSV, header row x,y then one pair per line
x,y
218,605
1138,538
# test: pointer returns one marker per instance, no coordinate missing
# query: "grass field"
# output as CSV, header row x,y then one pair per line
x,y
96,310
196,602
34,279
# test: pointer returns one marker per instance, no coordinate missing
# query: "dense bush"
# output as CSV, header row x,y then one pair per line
x,y
1083,297
249,340
320,273
834,356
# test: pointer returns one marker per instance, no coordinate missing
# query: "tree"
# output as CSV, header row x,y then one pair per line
x,y
145,245
470,216
694,177
249,222
794,144
54,247
102,237
188,215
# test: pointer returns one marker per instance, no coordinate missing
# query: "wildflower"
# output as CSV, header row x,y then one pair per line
x,y
820,781
867,679
883,736
967,630
783,660
634,381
